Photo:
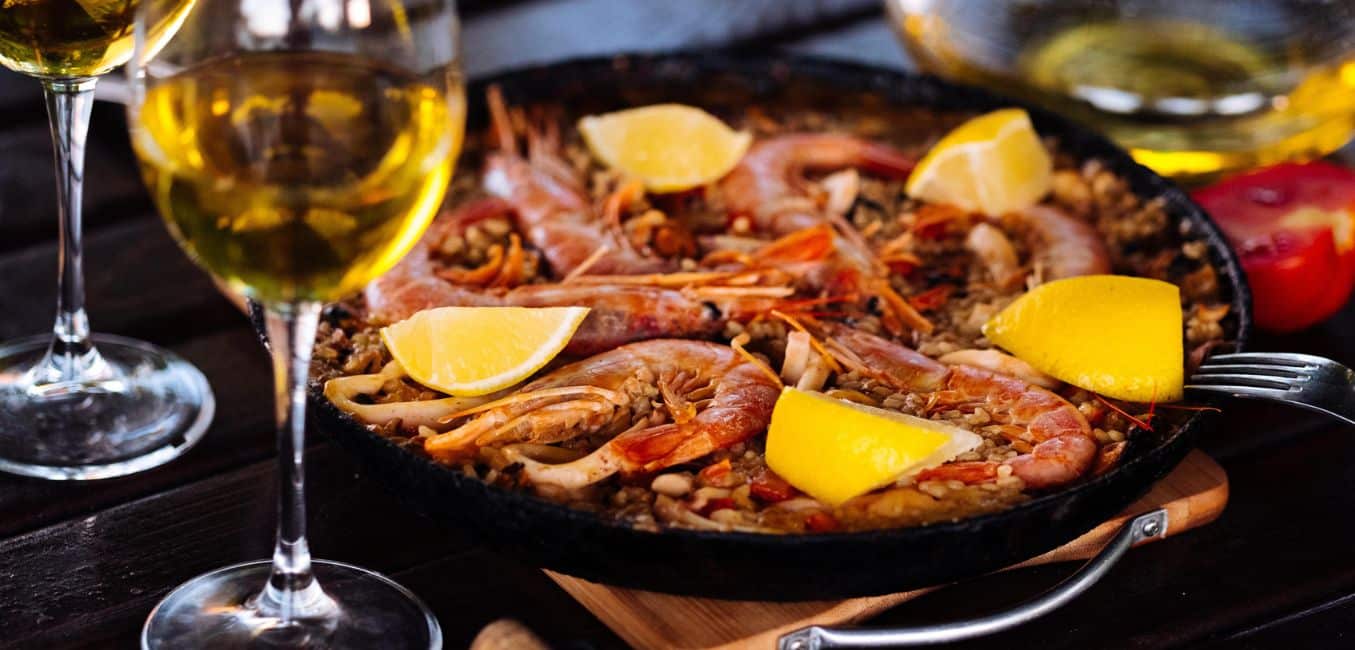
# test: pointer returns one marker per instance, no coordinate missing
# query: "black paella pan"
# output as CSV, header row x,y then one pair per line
x,y
788,567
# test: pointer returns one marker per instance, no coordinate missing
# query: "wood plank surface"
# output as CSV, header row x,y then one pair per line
x,y
139,284
237,436
113,190
1194,495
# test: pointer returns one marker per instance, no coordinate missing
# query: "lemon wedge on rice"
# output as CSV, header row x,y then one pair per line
x,y
834,450
1115,335
668,147
993,164
468,351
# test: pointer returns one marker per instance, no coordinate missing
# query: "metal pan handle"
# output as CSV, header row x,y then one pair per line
x,y
1143,527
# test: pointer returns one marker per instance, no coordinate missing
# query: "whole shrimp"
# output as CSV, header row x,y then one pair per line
x,y
619,314
1063,448
1062,246
769,188
623,309
768,185
551,208
714,396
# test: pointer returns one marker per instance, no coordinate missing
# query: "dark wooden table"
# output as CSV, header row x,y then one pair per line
x,y
82,564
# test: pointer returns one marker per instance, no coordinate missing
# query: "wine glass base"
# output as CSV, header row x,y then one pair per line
x,y
147,407
216,610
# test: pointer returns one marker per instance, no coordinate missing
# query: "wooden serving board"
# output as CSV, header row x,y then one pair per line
x,y
1194,494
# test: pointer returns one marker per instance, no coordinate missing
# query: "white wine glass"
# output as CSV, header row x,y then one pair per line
x,y
75,405
296,150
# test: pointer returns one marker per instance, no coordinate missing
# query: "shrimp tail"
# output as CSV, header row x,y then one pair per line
x,y
886,161
1054,462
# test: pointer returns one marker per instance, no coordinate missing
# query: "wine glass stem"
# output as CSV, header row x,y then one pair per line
x,y
71,356
292,591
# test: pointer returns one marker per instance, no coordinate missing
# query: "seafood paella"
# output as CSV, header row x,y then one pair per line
x,y
835,286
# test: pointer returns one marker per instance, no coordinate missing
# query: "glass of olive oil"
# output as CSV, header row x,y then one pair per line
x,y
74,405
1192,88
296,151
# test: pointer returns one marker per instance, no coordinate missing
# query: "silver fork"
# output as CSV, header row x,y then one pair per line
x,y
1312,382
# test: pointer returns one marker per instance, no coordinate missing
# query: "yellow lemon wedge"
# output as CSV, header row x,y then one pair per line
x,y
467,351
993,164
1111,334
834,450
668,147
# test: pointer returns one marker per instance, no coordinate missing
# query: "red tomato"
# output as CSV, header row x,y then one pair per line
x,y
1293,226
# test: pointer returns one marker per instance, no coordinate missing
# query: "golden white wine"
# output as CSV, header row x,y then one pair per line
x,y
78,38
1189,98
298,176
1202,99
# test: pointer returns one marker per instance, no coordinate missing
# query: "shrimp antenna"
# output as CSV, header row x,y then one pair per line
x,y
498,116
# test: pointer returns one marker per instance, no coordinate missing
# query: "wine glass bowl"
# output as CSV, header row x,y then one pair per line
x,y
296,151
286,202
49,38
1192,89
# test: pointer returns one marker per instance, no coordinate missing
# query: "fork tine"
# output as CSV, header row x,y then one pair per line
x,y
1243,380
1270,358
1290,372
1242,391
